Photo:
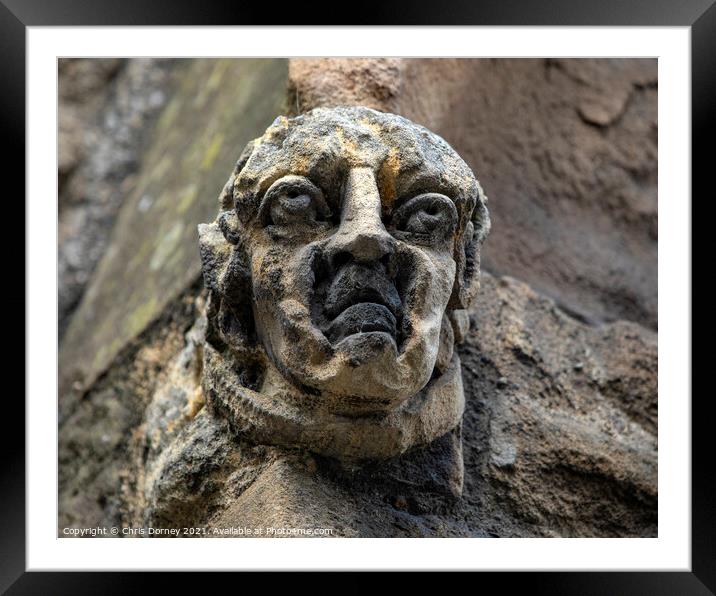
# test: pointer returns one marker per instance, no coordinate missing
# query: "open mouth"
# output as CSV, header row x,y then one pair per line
x,y
361,299
363,317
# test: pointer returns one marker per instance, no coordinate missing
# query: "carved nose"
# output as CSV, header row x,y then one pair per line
x,y
362,247
361,236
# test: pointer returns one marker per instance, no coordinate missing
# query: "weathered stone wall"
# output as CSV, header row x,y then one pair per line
x,y
106,109
217,106
560,365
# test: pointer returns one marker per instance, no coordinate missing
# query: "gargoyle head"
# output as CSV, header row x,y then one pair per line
x,y
346,240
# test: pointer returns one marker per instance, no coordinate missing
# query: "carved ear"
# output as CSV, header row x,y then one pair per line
x,y
215,253
467,255
226,276
226,271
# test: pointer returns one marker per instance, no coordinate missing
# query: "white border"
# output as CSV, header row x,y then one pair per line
x,y
671,550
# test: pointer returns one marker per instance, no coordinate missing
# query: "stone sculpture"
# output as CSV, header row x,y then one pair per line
x,y
339,268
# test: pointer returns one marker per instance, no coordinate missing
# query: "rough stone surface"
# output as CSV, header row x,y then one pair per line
x,y
370,82
560,424
96,431
569,445
568,152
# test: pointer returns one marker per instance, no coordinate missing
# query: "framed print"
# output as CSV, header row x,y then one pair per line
x,y
422,303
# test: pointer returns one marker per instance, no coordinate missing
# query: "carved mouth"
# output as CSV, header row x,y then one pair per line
x,y
338,300
360,298
363,317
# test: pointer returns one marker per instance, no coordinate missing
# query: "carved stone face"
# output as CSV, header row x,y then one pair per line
x,y
352,233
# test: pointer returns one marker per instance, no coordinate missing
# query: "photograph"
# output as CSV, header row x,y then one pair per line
x,y
357,297
409,294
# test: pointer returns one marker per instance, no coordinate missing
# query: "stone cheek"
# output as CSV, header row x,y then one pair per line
x,y
334,282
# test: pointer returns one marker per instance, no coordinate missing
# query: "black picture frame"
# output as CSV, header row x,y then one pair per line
x,y
17,15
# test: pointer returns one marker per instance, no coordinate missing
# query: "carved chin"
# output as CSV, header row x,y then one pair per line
x,y
368,366
365,365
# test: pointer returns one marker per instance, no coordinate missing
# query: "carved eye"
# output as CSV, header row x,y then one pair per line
x,y
293,200
429,216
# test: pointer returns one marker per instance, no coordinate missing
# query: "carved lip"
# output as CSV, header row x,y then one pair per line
x,y
360,298
355,284
363,317
364,295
